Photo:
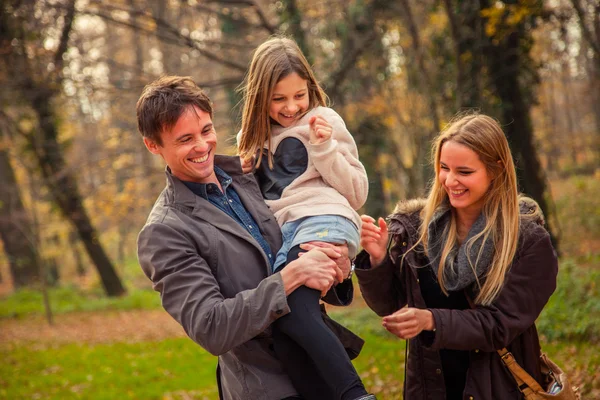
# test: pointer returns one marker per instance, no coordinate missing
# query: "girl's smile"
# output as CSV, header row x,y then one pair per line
x,y
289,100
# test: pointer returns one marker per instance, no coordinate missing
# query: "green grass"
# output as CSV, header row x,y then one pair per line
x,y
70,298
169,369
147,370
179,369
573,312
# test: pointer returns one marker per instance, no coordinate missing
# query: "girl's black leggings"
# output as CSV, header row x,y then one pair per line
x,y
312,355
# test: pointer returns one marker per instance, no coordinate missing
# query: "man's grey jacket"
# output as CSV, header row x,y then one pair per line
x,y
216,281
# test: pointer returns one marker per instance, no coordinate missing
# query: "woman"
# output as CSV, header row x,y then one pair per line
x,y
473,263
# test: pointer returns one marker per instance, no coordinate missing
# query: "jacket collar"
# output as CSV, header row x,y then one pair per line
x,y
181,197
180,194
406,218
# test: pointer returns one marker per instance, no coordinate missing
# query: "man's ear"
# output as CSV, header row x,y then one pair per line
x,y
152,146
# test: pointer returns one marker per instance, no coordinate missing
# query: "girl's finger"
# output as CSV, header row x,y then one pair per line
x,y
373,237
367,218
370,228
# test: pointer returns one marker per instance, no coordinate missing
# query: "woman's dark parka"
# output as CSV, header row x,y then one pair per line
x,y
507,322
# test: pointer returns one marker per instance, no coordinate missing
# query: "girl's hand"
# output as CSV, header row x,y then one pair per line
x,y
320,129
247,164
408,322
374,239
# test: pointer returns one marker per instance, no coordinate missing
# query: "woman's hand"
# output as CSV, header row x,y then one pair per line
x,y
320,129
314,269
340,256
247,164
408,322
374,239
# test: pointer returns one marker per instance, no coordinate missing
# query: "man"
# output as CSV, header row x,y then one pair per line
x,y
209,242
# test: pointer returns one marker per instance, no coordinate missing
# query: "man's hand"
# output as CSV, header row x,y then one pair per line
x,y
340,255
408,322
320,129
374,239
314,269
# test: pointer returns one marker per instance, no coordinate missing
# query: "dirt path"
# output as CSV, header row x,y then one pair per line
x,y
91,328
98,327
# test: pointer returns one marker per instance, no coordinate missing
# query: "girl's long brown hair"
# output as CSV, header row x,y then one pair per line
x,y
273,60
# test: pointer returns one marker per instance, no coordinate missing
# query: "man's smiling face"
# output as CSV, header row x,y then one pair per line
x,y
189,147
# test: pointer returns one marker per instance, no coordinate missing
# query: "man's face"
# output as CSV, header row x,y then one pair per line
x,y
189,147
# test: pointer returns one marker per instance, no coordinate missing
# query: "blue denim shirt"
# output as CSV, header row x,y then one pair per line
x,y
229,202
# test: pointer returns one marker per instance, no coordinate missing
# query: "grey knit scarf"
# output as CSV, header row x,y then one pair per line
x,y
458,274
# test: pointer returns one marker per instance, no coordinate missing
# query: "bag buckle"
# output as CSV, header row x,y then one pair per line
x,y
507,358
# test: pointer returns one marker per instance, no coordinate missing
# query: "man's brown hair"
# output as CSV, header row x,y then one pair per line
x,y
163,101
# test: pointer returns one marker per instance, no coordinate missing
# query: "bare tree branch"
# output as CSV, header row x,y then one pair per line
x,y
335,80
585,29
64,39
259,12
177,38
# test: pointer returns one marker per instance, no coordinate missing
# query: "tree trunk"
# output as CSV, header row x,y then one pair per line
x,y
170,60
465,27
589,22
64,190
16,231
504,61
424,86
292,16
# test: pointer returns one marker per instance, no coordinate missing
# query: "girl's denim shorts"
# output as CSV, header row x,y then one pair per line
x,y
319,228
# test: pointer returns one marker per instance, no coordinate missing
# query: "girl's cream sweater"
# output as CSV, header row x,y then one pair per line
x,y
335,181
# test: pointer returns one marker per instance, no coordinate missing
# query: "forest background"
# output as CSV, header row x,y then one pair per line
x,y
77,317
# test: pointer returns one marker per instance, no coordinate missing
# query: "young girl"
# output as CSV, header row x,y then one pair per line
x,y
473,263
307,167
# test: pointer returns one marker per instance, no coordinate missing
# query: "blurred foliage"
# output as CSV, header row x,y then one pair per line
x,y
396,71
573,312
577,203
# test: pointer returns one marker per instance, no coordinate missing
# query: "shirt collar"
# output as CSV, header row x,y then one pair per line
x,y
204,189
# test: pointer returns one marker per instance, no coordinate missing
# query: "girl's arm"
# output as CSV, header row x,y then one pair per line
x,y
336,159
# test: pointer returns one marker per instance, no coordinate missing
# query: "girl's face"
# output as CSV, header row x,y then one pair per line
x,y
464,177
289,100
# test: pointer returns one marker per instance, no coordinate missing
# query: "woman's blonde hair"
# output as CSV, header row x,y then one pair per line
x,y
485,137
273,60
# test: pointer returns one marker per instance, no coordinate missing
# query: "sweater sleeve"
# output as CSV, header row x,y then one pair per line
x,y
190,292
380,286
336,160
529,284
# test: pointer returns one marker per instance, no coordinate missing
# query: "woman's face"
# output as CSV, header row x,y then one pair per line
x,y
464,177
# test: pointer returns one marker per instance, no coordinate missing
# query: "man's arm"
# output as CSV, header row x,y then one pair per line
x,y
191,294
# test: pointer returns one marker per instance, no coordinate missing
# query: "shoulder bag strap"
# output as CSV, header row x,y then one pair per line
x,y
527,385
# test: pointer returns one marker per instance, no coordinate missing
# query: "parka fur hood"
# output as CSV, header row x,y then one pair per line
x,y
529,209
